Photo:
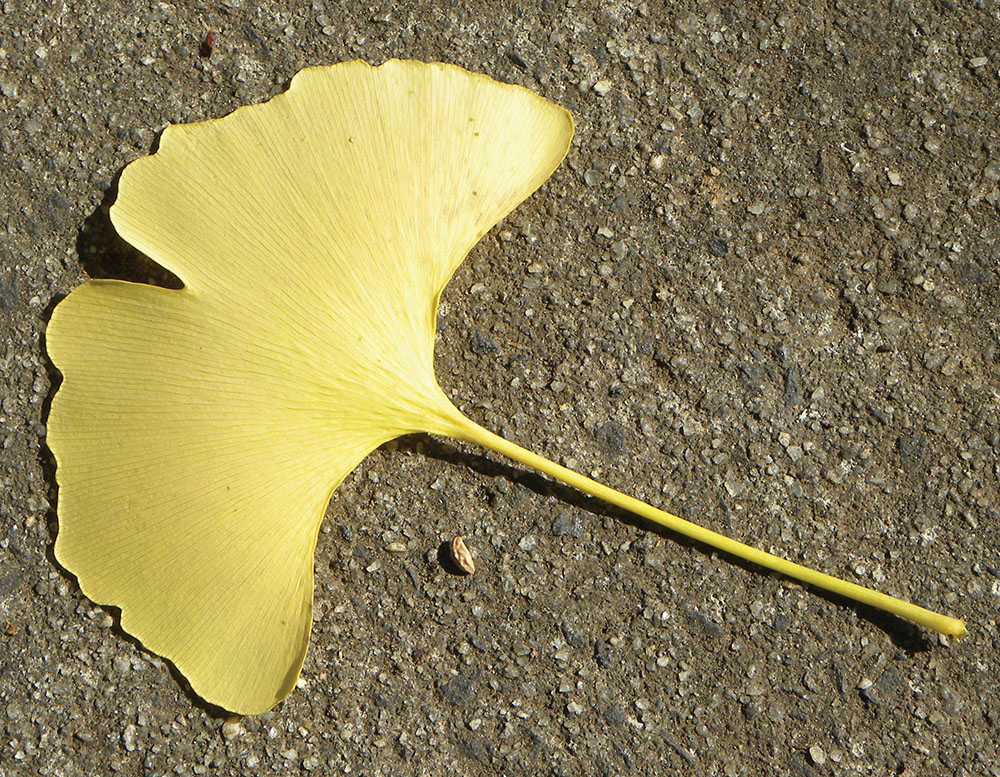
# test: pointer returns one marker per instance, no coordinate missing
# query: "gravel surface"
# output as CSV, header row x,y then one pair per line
x,y
760,292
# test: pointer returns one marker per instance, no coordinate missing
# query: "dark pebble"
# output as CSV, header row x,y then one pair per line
x,y
611,437
517,60
718,247
478,748
58,202
872,695
573,637
710,627
971,273
9,583
9,297
911,450
878,414
603,654
567,524
482,345
458,690
751,710
793,388
890,680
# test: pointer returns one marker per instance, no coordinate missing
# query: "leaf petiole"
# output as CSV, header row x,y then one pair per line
x,y
472,432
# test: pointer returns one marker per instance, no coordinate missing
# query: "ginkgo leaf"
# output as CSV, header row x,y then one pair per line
x,y
199,433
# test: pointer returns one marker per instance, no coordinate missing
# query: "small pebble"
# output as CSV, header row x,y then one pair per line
x,y
603,86
232,728
458,690
567,524
718,247
817,755
461,556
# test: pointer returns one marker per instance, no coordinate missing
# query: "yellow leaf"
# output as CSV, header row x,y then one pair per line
x,y
199,433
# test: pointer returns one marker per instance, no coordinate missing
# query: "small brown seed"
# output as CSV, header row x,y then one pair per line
x,y
461,556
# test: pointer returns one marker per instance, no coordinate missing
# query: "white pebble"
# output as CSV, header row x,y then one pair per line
x,y
232,728
818,755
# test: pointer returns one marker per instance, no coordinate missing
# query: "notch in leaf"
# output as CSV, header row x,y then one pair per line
x,y
200,433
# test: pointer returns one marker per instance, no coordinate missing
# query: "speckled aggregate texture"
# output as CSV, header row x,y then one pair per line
x,y
760,292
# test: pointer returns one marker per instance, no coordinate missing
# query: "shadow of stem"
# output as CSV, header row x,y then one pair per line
x,y
903,634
